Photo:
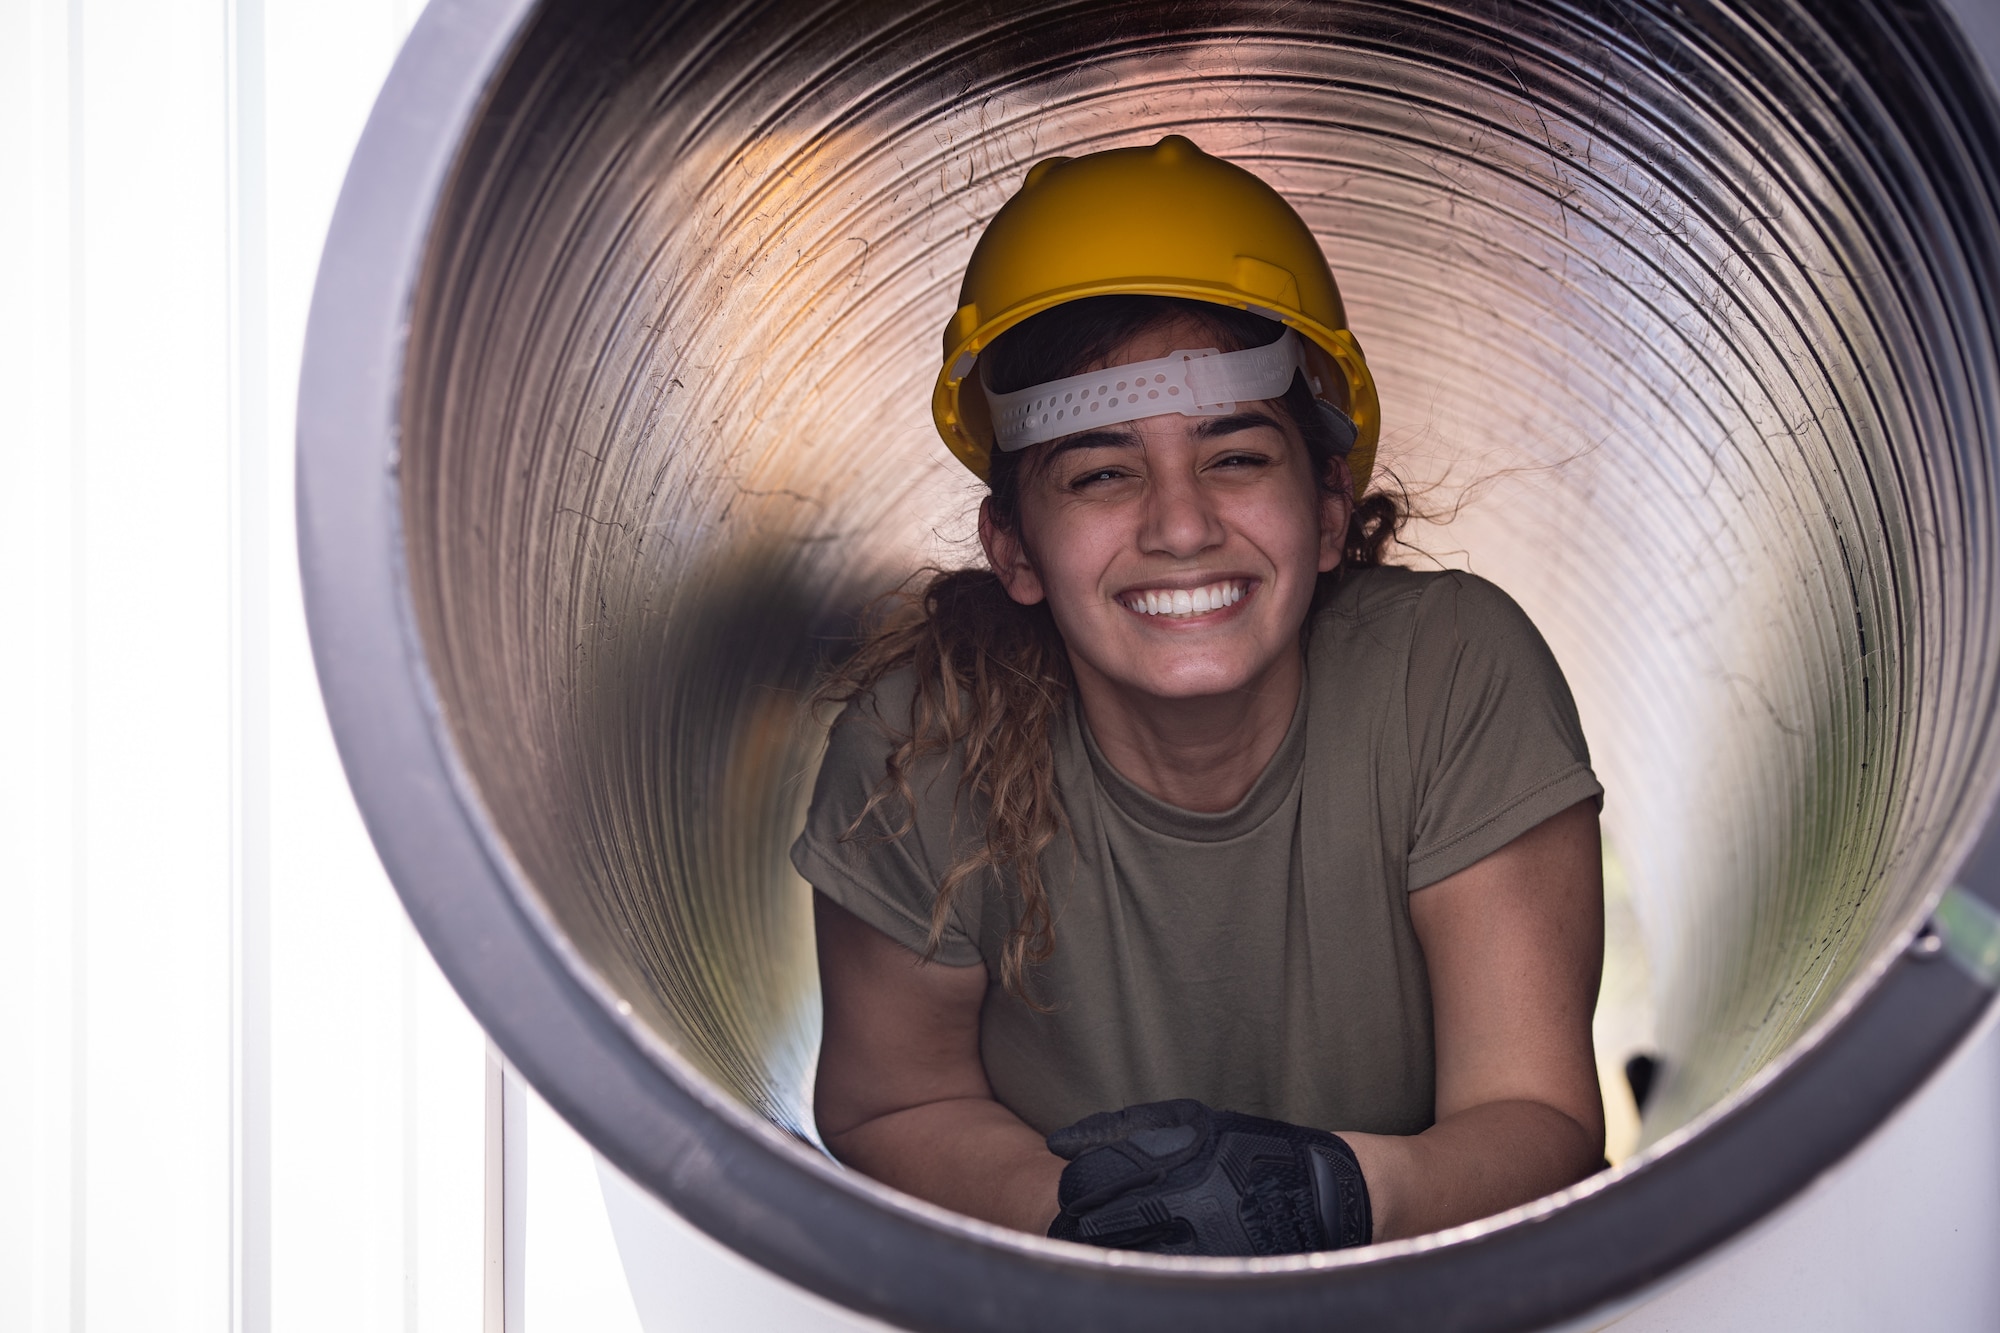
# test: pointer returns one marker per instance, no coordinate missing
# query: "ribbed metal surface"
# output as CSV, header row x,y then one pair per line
x,y
1690,307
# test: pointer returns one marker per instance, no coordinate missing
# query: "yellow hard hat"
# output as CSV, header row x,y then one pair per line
x,y
1163,221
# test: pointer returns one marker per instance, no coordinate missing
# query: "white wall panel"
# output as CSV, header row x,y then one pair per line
x,y
250,1101
155,666
349,1067
38,712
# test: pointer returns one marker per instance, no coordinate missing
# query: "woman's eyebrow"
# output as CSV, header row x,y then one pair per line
x,y
1095,439
1215,427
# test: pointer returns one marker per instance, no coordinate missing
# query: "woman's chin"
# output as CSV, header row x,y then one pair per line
x,y
1183,682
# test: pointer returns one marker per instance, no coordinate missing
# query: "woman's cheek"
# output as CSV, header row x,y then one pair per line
x,y
1287,533
1081,557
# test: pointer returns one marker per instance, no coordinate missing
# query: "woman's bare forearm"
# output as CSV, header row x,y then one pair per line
x,y
974,1156
969,1154
1483,1160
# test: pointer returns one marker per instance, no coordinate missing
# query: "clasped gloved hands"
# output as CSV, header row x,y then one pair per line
x,y
1179,1178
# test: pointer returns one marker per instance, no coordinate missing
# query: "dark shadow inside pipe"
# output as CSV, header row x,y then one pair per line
x,y
1688,308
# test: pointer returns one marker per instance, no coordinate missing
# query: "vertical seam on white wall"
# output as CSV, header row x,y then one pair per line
x,y
79,722
493,1303
506,1199
412,1120
248,481
514,1142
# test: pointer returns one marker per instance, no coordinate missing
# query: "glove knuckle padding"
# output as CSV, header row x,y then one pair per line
x,y
1178,1178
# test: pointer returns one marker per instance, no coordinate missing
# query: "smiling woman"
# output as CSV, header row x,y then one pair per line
x,y
1284,927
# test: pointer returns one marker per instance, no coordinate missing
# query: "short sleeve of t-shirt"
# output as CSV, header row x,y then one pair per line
x,y
1495,745
886,869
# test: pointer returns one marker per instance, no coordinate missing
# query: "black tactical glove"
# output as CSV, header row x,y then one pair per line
x,y
1178,1178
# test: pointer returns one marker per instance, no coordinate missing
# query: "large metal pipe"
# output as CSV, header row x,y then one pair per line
x,y
615,408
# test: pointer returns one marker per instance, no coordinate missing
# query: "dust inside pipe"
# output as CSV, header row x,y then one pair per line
x,y
1685,310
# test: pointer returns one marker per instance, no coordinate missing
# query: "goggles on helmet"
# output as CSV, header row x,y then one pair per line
x,y
1194,382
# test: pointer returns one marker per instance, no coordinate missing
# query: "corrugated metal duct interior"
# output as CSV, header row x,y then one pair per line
x,y
1690,307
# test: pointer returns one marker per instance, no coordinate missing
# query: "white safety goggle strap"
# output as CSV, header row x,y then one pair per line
x,y
1195,382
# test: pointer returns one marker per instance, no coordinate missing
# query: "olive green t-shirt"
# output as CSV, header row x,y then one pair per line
x,y
1261,959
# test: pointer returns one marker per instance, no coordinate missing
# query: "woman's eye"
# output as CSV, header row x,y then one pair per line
x,y
1240,460
1096,477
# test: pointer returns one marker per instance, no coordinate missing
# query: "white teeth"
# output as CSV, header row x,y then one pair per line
x,y
1184,601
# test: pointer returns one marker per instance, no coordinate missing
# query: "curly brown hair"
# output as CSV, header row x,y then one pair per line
x,y
993,677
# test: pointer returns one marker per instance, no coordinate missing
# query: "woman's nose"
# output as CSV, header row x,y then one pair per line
x,y
1180,518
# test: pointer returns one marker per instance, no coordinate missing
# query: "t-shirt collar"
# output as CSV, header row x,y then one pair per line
x,y
1267,795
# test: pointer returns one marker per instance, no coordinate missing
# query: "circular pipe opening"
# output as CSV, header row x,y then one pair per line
x,y
615,409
